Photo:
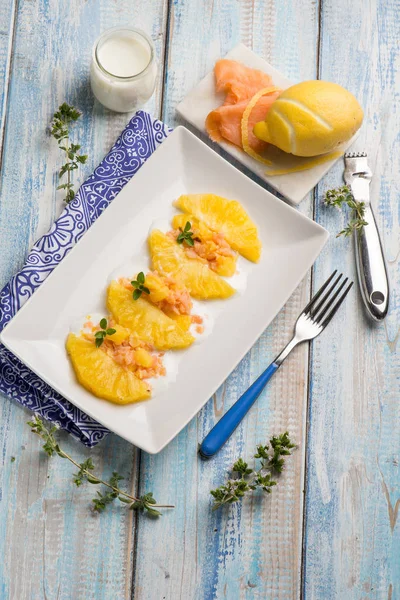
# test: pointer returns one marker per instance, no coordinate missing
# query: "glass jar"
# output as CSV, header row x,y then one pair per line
x,y
123,69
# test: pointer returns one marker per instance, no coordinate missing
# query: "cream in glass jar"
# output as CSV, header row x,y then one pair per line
x,y
123,69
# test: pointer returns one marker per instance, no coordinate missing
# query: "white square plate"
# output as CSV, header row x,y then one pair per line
x,y
182,164
203,99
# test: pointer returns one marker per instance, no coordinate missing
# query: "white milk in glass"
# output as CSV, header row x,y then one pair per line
x,y
123,70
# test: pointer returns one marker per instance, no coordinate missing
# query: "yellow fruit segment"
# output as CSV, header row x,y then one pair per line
x,y
179,221
244,126
101,375
184,321
227,217
158,289
145,321
169,258
120,335
143,358
260,130
223,265
311,118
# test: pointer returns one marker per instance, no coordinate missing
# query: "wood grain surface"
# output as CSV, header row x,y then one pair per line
x,y
339,400
352,541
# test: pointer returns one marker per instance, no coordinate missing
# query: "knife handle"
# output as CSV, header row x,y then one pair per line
x,y
371,268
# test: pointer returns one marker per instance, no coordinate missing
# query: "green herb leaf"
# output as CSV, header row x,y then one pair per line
x,y
186,235
139,286
125,500
249,479
340,197
103,499
241,467
60,131
103,323
111,331
98,342
145,503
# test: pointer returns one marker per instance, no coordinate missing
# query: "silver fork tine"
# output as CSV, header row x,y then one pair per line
x,y
320,291
336,306
307,328
313,313
321,315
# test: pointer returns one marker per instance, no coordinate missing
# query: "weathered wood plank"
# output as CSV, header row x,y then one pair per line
x,y
51,545
7,22
253,551
352,544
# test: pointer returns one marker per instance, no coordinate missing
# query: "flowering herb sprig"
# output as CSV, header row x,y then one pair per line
x,y
145,503
245,479
60,130
340,197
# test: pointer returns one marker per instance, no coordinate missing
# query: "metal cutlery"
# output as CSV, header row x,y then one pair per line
x,y
371,268
310,323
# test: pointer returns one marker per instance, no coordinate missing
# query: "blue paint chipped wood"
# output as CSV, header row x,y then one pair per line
x,y
352,541
232,553
52,546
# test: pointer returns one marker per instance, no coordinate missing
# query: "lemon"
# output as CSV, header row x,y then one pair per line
x,y
311,118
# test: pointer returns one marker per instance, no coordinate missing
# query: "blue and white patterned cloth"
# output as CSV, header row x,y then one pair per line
x,y
134,146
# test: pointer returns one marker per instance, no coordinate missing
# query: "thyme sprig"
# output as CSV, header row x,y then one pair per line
x,y
186,235
340,197
245,479
145,503
139,285
103,332
60,130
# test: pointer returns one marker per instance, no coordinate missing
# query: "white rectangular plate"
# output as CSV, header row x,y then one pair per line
x,y
203,99
183,164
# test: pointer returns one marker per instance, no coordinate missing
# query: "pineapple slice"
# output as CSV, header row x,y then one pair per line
x,y
222,264
227,217
169,258
184,321
145,321
143,358
158,289
179,221
121,334
101,375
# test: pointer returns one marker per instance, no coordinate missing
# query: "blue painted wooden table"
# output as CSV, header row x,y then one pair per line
x,y
330,529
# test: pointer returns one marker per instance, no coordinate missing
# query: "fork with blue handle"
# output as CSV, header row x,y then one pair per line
x,y
310,323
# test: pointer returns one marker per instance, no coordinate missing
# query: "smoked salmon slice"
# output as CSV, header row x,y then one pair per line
x,y
240,84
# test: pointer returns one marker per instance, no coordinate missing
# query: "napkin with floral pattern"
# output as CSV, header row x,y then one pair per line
x,y
137,142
